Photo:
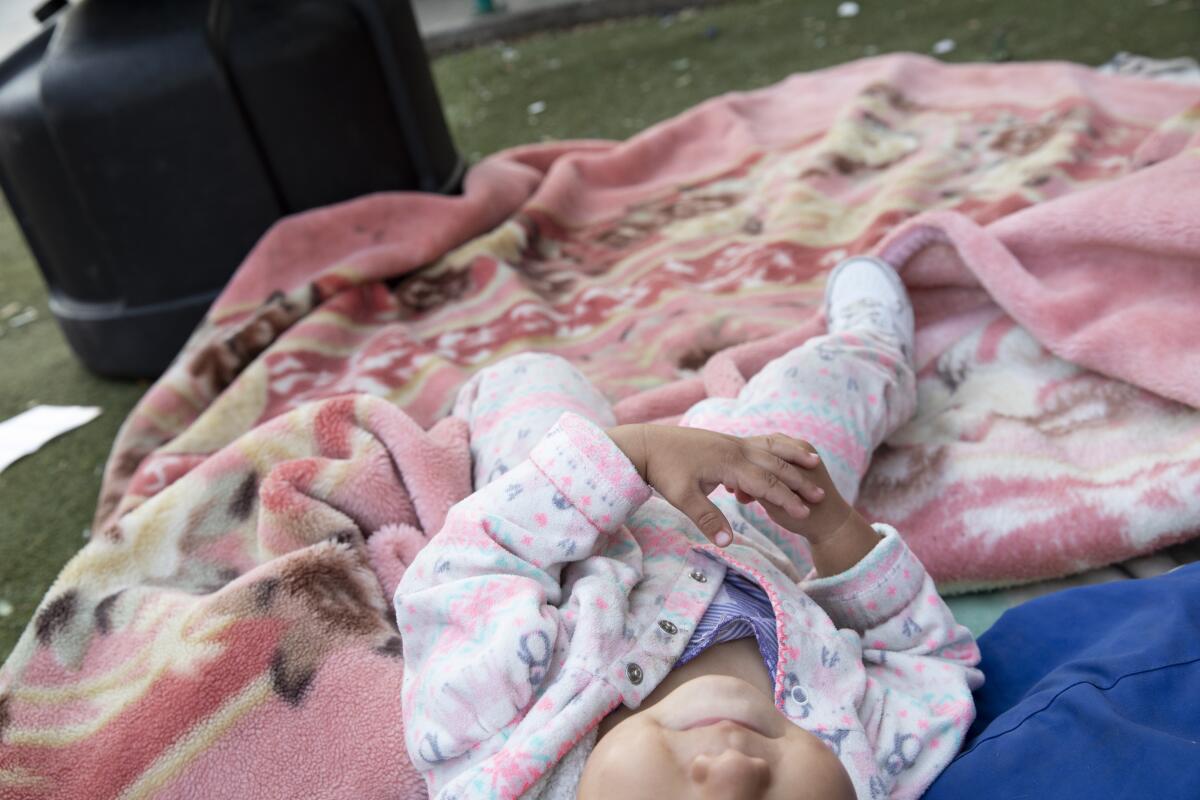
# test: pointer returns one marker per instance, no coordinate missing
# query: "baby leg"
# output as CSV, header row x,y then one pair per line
x,y
844,392
510,405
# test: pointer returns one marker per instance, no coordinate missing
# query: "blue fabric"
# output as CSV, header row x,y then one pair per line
x,y
739,610
1091,693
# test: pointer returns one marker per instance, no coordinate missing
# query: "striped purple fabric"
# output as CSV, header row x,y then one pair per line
x,y
740,610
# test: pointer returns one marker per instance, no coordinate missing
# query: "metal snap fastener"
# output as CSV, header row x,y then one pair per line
x,y
634,672
699,577
668,626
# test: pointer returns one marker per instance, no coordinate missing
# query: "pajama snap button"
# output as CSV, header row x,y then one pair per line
x,y
699,577
668,626
634,672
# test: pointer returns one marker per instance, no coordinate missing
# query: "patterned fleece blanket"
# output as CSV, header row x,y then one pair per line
x,y
226,631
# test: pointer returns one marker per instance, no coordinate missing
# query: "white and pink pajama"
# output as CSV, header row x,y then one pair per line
x,y
540,606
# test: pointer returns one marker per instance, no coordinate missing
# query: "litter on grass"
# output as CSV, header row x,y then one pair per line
x,y
28,431
845,10
27,316
943,46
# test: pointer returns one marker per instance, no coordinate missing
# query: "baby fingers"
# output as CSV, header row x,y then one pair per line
x,y
796,451
798,480
708,518
764,484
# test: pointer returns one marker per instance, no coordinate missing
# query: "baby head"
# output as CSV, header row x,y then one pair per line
x,y
713,737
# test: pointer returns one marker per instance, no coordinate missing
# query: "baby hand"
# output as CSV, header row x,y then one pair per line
x,y
686,464
824,521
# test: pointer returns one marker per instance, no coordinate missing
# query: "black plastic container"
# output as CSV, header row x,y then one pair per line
x,y
145,146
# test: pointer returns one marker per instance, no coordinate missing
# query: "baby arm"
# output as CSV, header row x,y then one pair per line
x,y
920,663
479,609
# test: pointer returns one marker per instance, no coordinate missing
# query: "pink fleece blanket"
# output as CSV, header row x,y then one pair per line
x,y
227,632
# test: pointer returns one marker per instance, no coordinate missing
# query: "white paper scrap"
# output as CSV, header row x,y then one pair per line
x,y
943,46
27,432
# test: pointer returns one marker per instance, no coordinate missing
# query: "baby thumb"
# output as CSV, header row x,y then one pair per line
x,y
708,519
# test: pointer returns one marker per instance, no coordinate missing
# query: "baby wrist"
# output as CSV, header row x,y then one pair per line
x,y
845,546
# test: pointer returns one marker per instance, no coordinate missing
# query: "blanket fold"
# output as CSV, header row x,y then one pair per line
x,y
237,618
1106,278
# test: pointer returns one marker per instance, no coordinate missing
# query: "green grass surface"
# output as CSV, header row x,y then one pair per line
x,y
608,81
613,79
46,499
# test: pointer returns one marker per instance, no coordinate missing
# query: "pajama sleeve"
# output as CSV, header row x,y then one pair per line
x,y
480,609
920,664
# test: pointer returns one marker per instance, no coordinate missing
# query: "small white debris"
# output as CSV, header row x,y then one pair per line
x,y
27,316
537,107
682,81
6,608
509,55
943,46
846,10
10,310
28,431
680,64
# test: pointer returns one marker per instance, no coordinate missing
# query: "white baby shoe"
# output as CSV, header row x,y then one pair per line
x,y
865,291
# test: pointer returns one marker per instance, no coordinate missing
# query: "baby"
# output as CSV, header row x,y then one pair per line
x,y
644,611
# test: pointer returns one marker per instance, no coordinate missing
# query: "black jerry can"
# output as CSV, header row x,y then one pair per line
x,y
146,146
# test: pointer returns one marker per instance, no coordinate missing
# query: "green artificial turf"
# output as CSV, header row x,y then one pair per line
x,y
611,80
608,80
46,499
